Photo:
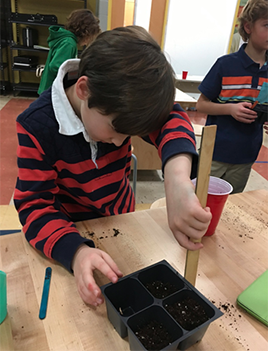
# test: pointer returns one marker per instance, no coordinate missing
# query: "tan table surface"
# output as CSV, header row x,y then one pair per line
x,y
231,260
180,96
9,218
186,101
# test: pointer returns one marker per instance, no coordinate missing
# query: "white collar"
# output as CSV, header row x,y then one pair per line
x,y
69,123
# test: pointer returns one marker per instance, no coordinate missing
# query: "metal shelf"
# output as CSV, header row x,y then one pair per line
x,y
33,23
24,69
26,48
26,87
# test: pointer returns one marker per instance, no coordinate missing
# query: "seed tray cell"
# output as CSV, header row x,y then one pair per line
x,y
158,309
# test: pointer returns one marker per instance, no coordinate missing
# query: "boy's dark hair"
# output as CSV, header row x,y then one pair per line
x,y
129,77
252,11
83,24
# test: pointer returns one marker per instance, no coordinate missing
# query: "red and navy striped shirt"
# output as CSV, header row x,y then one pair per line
x,y
59,184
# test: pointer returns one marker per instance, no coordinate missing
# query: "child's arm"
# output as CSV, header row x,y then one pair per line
x,y
187,219
241,111
176,147
48,229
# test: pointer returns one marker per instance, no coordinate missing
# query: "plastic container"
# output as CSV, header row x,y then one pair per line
x,y
143,306
184,74
218,192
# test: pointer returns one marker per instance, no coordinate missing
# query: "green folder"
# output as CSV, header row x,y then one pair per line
x,y
254,299
3,296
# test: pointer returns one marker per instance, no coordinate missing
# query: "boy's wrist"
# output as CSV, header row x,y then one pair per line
x,y
77,252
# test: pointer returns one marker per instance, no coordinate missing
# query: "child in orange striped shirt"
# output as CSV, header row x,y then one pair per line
x,y
228,93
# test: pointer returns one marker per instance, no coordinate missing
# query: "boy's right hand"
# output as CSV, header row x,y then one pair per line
x,y
242,112
85,261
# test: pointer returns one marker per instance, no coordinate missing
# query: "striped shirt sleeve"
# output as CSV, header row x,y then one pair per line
x,y
176,137
46,227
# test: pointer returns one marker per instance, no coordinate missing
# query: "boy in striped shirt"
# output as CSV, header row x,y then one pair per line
x,y
229,91
74,152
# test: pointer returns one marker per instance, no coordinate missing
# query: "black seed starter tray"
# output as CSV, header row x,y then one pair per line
x,y
154,306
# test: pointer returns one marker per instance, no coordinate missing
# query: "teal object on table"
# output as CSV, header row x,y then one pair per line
x,y
3,296
44,300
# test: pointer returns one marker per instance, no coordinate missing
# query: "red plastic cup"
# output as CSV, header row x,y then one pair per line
x,y
184,74
218,192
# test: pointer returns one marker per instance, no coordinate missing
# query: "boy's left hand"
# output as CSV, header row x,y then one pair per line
x,y
85,261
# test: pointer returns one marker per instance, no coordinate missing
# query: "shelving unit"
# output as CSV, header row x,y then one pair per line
x,y
23,50
24,78
4,42
4,82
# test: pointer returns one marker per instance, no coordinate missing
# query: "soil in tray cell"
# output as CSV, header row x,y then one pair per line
x,y
188,313
160,290
153,336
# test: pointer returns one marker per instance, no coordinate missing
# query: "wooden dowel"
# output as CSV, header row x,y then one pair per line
x,y
201,190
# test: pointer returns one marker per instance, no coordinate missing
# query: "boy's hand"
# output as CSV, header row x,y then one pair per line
x,y
265,126
187,219
85,261
242,112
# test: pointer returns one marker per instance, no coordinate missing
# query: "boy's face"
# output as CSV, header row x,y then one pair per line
x,y
99,127
258,34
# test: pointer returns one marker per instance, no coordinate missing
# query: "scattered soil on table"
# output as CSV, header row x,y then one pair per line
x,y
236,217
88,234
188,313
92,235
234,316
160,290
230,311
153,336
116,232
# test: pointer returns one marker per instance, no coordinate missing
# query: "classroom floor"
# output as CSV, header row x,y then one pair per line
x,y
150,186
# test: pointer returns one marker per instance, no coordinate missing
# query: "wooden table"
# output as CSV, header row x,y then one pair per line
x,y
231,260
190,84
185,100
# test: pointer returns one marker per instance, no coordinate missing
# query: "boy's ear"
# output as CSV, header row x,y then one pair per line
x,y
247,27
82,88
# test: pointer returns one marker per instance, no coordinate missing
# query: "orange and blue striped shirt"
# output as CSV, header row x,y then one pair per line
x,y
235,78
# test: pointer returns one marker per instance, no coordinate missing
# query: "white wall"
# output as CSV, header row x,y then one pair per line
x,y
142,13
197,33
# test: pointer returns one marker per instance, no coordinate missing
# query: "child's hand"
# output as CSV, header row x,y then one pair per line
x,y
187,219
242,112
265,126
85,261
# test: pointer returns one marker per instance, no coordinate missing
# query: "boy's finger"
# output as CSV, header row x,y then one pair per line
x,y
90,292
112,264
185,242
107,266
203,215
